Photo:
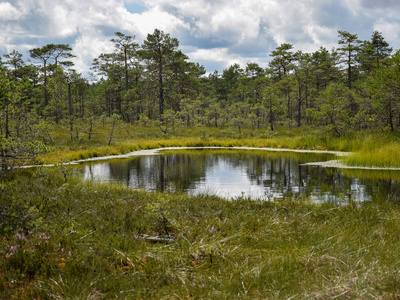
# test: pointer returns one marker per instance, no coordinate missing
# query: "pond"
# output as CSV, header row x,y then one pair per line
x,y
254,174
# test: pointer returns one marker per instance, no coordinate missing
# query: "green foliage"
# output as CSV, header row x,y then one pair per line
x,y
384,88
156,82
335,108
274,107
21,130
239,112
58,91
350,47
282,59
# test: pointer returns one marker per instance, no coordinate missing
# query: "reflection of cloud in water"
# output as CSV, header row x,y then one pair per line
x,y
239,174
228,181
97,172
357,192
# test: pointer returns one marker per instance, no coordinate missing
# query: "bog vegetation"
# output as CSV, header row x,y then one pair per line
x,y
65,239
352,88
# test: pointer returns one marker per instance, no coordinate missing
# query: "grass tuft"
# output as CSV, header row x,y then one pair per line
x,y
380,156
370,148
82,240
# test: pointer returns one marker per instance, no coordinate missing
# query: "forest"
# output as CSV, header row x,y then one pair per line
x,y
353,87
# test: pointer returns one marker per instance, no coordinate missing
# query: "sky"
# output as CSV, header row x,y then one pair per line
x,y
214,33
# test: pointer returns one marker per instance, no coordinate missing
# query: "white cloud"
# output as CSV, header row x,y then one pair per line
x,y
353,5
9,12
217,32
156,18
223,58
240,22
87,47
217,55
230,24
391,31
92,22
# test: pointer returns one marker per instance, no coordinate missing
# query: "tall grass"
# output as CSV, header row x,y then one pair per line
x,y
78,240
370,148
386,155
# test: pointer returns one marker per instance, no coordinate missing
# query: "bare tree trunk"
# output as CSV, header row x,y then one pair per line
x,y
161,90
70,109
112,132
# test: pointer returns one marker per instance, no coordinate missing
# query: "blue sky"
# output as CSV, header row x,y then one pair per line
x,y
215,33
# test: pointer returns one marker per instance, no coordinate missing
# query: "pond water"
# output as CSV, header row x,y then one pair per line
x,y
254,174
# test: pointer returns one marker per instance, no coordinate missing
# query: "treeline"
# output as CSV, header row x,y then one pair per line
x,y
355,86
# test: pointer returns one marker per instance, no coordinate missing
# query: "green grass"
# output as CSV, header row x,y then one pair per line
x,y
80,241
386,155
370,148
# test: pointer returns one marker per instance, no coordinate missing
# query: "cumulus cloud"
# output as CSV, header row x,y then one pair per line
x,y
9,12
221,58
240,26
391,31
215,33
39,22
156,18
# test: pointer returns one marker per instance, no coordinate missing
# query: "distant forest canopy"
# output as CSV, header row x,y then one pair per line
x,y
353,87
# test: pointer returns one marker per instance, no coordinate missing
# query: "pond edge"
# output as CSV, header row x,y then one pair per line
x,y
157,151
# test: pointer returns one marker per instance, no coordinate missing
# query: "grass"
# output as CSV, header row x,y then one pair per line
x,y
78,240
386,155
370,148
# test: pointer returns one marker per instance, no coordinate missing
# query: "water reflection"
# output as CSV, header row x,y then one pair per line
x,y
230,174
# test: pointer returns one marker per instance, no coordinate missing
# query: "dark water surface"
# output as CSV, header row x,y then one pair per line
x,y
254,174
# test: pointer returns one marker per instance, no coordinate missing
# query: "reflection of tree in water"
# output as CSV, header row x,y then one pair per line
x,y
389,188
173,172
283,175
280,176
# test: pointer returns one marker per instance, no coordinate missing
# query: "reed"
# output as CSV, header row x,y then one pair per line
x,y
381,155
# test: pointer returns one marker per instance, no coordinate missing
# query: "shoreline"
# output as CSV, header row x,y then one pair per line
x,y
340,165
157,151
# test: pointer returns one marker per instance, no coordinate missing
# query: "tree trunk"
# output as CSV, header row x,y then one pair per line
x,y
46,96
271,117
349,70
391,117
161,90
112,132
126,70
70,109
